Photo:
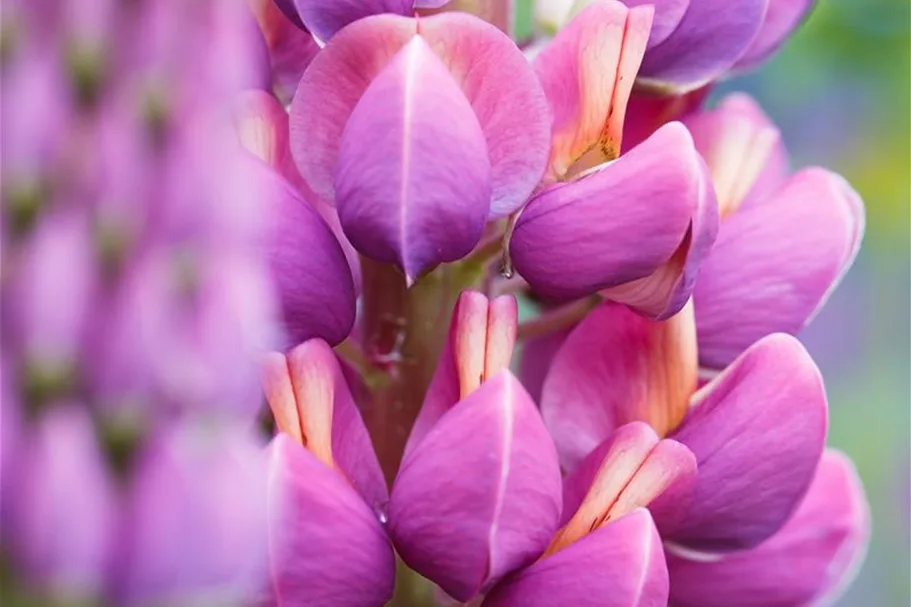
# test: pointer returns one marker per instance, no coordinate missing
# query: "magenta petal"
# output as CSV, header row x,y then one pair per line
x,y
61,504
616,367
328,548
808,562
479,496
710,38
484,61
617,224
535,361
757,431
618,565
781,18
196,519
308,265
325,17
413,179
780,260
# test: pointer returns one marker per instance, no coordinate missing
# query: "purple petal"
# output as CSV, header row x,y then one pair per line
x,y
612,226
618,565
328,547
709,40
757,431
781,18
631,469
535,361
485,63
325,17
779,259
413,179
196,519
668,14
308,265
614,368
646,112
666,291
312,403
62,507
289,9
262,126
479,345
479,496
291,47
808,562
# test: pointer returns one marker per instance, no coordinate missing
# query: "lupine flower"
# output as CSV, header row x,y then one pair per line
x,y
756,430
694,42
212,229
568,240
785,240
450,157
135,305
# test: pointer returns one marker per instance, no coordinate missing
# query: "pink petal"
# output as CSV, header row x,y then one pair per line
x,y
808,562
631,469
401,200
479,345
479,497
775,264
587,72
757,431
614,368
312,403
612,226
619,565
742,149
327,548
478,56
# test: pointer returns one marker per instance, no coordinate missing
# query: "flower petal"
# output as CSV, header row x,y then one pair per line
x,y
667,290
612,226
587,72
262,126
312,403
742,149
62,505
479,345
308,265
757,431
535,361
483,60
196,519
617,367
781,18
779,259
291,47
326,17
629,470
808,562
399,199
618,565
328,548
479,496
646,112
710,38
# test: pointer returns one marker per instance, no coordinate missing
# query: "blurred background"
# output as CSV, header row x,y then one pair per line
x,y
839,90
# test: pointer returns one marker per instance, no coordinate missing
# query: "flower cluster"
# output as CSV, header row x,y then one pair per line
x,y
342,208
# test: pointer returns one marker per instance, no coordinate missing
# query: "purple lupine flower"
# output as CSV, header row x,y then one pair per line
x,y
694,42
135,305
568,240
757,430
785,240
168,222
